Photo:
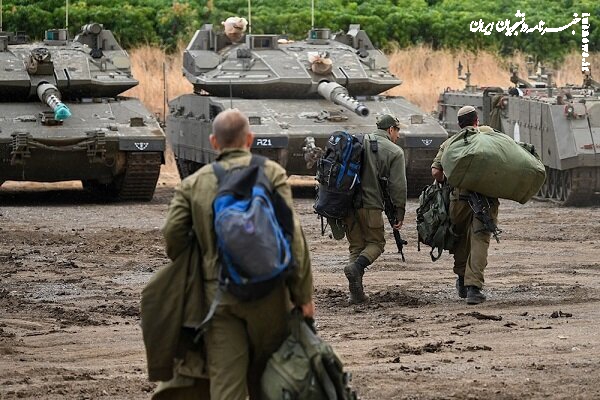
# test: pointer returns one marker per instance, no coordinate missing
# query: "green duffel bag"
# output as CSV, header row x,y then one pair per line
x,y
491,163
305,368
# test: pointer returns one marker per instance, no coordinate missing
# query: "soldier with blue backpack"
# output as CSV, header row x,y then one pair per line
x,y
373,161
254,259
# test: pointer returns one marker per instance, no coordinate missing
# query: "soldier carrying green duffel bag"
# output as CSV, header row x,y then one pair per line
x,y
481,165
493,164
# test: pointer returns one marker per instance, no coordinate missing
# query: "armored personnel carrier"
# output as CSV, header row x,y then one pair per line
x,y
296,93
62,118
562,123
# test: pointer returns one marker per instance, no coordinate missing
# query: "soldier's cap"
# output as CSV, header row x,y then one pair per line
x,y
465,110
387,121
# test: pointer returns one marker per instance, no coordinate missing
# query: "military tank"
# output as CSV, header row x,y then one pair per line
x,y
296,93
62,117
563,123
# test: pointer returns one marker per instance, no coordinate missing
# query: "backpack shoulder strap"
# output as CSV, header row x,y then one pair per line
x,y
374,146
262,179
360,137
219,171
258,160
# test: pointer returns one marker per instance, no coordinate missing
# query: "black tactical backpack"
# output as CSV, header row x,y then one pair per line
x,y
338,174
305,368
433,220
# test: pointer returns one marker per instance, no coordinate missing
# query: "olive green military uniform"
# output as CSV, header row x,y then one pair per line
x,y
471,251
365,226
241,335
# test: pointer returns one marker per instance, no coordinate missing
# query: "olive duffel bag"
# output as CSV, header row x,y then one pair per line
x,y
489,162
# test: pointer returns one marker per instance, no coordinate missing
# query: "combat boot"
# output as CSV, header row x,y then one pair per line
x,y
461,289
474,295
354,273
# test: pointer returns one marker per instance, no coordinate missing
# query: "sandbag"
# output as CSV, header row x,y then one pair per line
x,y
493,164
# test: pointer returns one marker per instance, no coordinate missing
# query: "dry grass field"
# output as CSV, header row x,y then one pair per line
x,y
425,73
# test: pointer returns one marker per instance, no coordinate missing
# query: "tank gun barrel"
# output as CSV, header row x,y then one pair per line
x,y
50,95
338,94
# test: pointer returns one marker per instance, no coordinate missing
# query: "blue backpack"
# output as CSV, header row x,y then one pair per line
x,y
338,174
253,228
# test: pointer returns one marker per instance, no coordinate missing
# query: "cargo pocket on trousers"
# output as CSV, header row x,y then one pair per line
x,y
374,219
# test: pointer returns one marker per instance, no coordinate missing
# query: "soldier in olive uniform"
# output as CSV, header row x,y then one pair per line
x,y
470,253
241,336
365,226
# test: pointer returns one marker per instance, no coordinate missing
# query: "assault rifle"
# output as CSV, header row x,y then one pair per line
x,y
480,205
390,213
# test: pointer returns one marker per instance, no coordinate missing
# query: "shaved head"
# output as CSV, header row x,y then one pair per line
x,y
230,128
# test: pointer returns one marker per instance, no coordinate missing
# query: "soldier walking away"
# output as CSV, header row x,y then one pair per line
x,y
471,251
242,334
383,159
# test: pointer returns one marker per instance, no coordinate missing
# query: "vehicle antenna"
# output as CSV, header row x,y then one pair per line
x,y
67,15
249,16
0,15
164,92
312,14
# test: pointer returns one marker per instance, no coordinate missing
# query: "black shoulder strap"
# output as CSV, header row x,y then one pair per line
x,y
219,171
360,137
374,145
258,160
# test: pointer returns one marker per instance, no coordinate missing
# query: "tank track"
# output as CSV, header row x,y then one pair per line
x,y
186,167
141,175
571,187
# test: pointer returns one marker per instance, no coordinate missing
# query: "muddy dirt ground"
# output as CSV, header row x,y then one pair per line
x,y
72,269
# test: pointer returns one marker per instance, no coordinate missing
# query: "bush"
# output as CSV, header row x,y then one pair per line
x,y
438,23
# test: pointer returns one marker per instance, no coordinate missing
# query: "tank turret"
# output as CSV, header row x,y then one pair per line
x,y
293,91
114,145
